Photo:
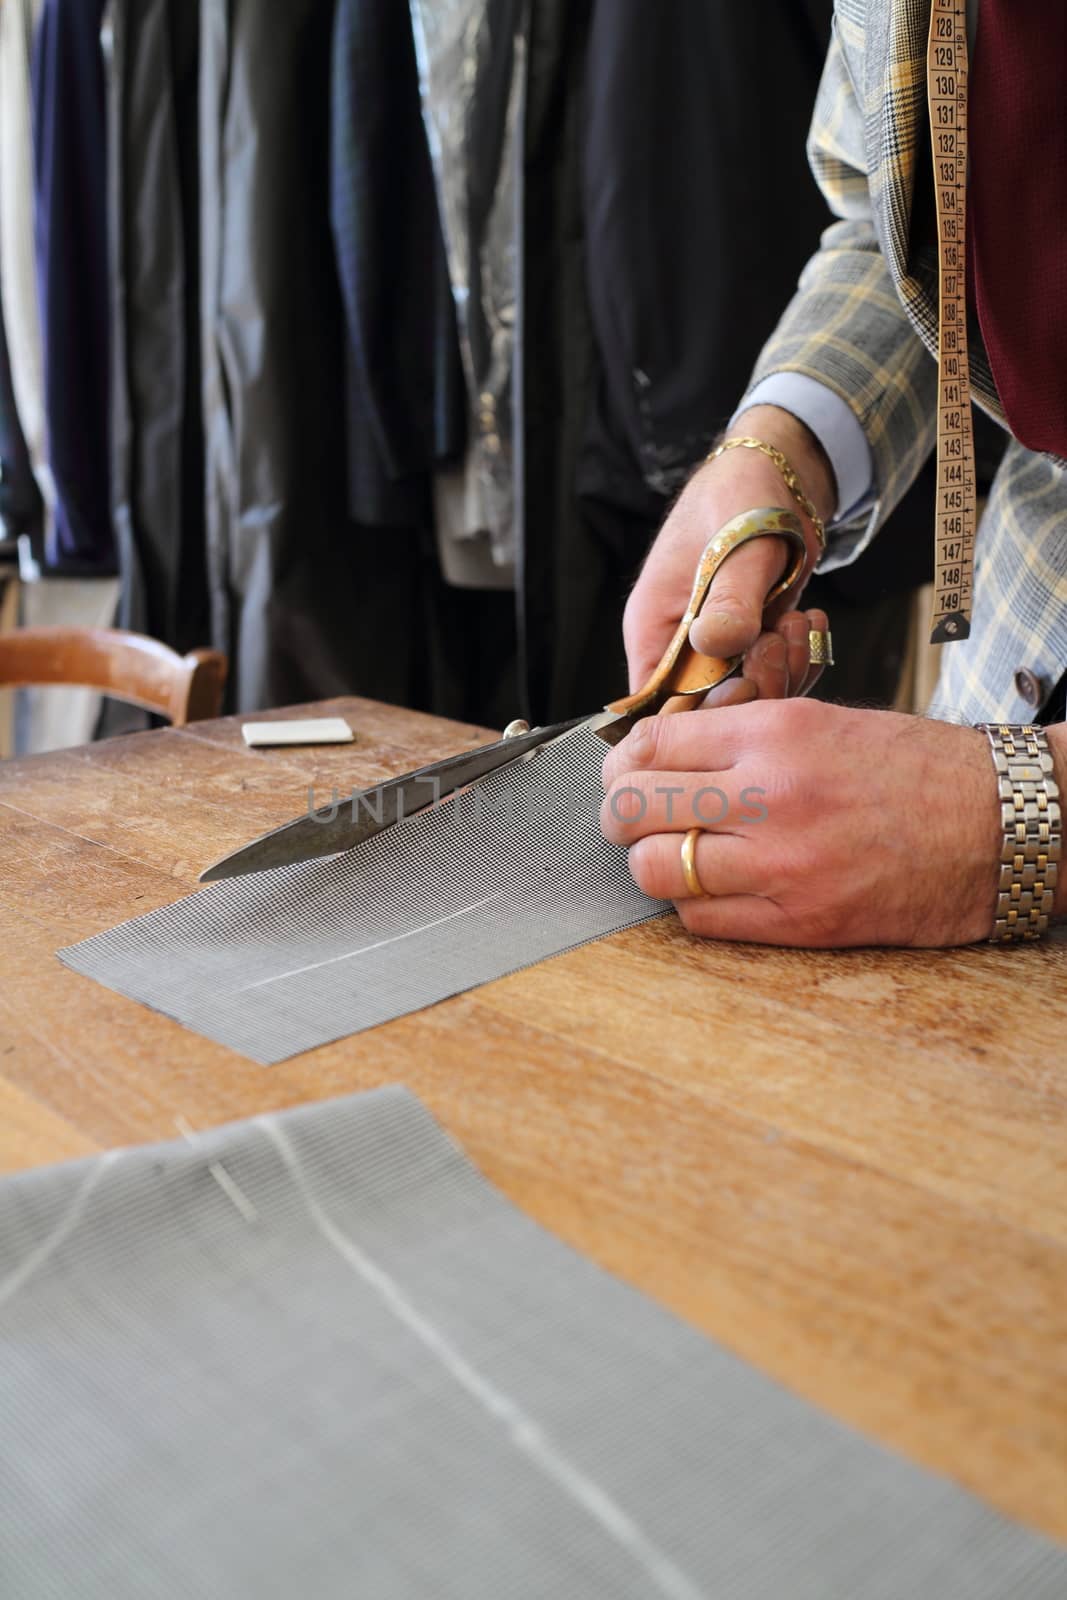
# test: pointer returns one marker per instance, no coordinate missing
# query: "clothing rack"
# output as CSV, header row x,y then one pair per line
x,y
330,414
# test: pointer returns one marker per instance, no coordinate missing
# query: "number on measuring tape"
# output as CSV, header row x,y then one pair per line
x,y
956,506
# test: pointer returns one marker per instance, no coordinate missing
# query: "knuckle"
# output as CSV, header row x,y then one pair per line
x,y
768,724
768,655
633,616
642,744
732,594
810,718
796,718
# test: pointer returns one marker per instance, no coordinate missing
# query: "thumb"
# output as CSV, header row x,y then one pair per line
x,y
731,618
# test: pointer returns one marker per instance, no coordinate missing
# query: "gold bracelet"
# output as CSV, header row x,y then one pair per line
x,y
792,482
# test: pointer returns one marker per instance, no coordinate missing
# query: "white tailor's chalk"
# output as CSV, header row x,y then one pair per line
x,y
308,730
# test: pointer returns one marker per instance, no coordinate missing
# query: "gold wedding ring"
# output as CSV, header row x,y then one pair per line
x,y
820,647
689,864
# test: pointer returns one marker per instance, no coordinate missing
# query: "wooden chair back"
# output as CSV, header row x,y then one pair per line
x,y
127,666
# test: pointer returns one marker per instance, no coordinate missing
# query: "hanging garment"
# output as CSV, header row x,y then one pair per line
x,y
305,602
18,276
20,502
282,570
157,449
573,577
70,169
472,58
461,522
406,395
699,212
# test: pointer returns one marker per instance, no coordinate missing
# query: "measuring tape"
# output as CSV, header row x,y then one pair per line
x,y
957,508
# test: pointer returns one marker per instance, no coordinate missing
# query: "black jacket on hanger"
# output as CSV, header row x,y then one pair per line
x,y
20,500
277,523
700,211
406,397
669,210
157,453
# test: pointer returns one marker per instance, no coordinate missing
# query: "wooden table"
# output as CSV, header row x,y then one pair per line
x,y
850,1168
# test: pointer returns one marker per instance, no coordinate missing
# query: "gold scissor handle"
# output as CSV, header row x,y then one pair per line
x,y
683,676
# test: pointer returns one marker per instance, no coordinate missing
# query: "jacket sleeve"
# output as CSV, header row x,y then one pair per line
x,y
846,327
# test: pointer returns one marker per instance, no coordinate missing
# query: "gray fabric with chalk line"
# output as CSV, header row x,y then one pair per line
x,y
316,1354
510,872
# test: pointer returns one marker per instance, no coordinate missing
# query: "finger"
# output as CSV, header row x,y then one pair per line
x,y
816,621
732,692
767,666
644,803
793,628
731,618
725,864
699,741
743,918
659,597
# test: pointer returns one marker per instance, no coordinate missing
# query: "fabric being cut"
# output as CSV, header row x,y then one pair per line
x,y
506,874
317,1354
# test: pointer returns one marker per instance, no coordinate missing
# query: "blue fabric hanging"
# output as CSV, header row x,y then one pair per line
x,y
70,178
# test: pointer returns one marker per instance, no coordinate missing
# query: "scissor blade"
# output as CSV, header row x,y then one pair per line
x,y
354,818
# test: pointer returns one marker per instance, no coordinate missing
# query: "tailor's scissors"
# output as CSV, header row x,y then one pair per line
x,y
679,683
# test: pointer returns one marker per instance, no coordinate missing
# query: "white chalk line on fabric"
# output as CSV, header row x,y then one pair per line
x,y
63,1229
527,1436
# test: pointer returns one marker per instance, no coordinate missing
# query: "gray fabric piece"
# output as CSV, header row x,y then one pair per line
x,y
502,876
372,1377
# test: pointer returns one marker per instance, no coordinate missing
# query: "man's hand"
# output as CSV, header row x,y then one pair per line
x,y
731,622
825,826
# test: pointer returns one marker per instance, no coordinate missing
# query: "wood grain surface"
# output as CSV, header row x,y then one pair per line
x,y
850,1168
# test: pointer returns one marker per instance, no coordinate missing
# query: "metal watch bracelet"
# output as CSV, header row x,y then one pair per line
x,y
1030,814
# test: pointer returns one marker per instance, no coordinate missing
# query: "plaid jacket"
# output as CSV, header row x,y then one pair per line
x,y
864,322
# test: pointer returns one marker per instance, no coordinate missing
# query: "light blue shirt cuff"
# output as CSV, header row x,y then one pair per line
x,y
834,424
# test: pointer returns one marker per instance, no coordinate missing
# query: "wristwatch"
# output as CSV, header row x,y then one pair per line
x,y
1030,814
